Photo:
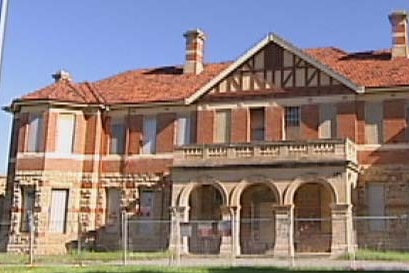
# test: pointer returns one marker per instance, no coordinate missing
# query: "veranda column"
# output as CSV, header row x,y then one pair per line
x,y
176,241
236,230
184,217
284,239
225,228
174,229
342,230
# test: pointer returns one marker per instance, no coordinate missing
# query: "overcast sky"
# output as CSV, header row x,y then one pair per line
x,y
94,39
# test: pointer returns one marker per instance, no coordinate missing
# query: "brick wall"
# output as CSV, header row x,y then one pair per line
x,y
274,123
394,121
165,132
309,121
239,125
346,120
205,120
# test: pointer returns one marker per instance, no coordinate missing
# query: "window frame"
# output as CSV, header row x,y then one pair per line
x,y
120,147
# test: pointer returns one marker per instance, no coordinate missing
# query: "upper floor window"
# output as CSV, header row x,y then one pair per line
x,y
184,129
292,122
257,124
328,121
65,133
149,135
374,122
35,130
117,137
222,126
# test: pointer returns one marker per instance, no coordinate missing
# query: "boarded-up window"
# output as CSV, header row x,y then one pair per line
x,y
374,120
35,130
58,211
292,122
65,133
328,121
113,209
117,136
222,126
149,135
146,212
184,130
28,198
257,124
376,206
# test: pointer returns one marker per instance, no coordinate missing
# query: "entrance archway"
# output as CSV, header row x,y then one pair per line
x,y
205,202
312,218
257,221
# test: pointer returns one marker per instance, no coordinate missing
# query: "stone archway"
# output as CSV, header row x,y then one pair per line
x,y
257,219
205,203
312,217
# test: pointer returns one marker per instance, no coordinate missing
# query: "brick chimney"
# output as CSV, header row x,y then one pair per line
x,y
61,75
194,51
399,22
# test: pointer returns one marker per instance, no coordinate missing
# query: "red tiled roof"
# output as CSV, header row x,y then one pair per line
x,y
68,91
166,84
369,69
137,86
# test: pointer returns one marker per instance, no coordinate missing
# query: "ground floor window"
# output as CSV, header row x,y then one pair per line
x,y
27,207
58,210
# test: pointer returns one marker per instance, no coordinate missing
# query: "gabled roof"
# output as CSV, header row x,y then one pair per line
x,y
286,45
372,69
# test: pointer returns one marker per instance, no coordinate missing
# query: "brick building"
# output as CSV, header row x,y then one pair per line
x,y
280,133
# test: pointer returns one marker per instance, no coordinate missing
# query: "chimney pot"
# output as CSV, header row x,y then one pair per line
x,y
61,75
399,22
194,51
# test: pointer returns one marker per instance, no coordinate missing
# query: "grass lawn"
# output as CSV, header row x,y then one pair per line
x,y
141,269
371,255
74,258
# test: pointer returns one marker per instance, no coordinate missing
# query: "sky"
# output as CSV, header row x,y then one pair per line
x,y
94,39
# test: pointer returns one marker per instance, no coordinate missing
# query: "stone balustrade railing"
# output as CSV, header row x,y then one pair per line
x,y
267,152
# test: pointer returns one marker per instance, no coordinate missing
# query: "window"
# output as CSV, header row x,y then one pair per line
x,y
292,122
65,133
376,206
222,126
35,130
58,211
117,137
28,197
256,124
328,121
184,129
149,135
373,122
113,209
146,212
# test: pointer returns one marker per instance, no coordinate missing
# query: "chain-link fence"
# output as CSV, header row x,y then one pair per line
x,y
133,240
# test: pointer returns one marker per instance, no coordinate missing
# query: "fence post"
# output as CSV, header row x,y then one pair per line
x,y
178,238
31,241
124,237
79,235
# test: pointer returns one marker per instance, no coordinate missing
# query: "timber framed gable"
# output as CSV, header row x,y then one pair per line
x,y
275,67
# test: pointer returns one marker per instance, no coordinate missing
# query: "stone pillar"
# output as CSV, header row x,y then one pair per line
x,y
284,239
176,242
342,230
235,229
226,246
